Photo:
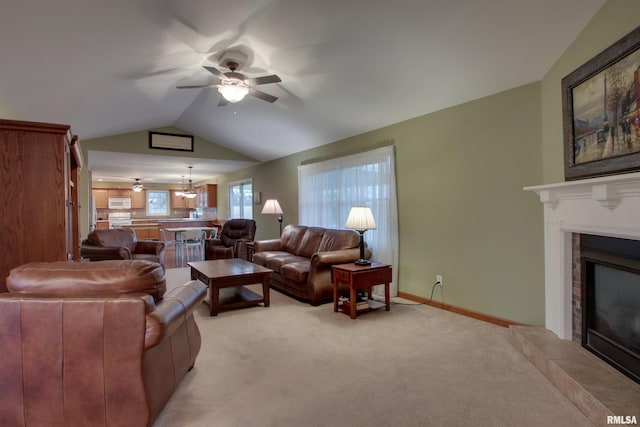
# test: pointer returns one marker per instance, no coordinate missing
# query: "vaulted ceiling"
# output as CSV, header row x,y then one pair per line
x,y
347,67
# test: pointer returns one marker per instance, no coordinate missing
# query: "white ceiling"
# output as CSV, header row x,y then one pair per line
x,y
347,67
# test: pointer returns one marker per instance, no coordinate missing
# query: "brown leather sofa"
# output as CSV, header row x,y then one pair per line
x,y
302,257
93,343
234,235
120,243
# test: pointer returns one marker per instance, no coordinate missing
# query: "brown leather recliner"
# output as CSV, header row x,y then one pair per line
x,y
234,235
93,343
120,243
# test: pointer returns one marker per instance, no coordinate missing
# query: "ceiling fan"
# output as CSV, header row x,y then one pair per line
x,y
234,86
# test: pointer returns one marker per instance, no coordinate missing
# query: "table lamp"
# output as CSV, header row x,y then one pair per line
x,y
361,219
272,207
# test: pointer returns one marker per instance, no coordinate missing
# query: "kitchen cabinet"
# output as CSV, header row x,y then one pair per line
x,y
39,210
119,192
146,231
101,198
102,225
207,196
181,202
139,199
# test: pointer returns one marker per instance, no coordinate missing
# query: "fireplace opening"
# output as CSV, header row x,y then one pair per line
x,y
610,271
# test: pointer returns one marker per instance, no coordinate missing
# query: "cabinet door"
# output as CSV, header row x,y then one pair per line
x,y
154,233
37,213
177,201
201,196
139,199
101,197
119,192
207,196
212,196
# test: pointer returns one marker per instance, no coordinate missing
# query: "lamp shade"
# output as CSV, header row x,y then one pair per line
x,y
360,218
233,92
271,207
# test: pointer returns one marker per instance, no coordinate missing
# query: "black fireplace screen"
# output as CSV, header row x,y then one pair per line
x,y
617,306
611,301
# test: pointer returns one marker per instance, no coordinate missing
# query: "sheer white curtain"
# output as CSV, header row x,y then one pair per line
x,y
328,189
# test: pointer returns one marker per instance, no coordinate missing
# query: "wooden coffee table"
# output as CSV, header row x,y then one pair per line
x,y
226,279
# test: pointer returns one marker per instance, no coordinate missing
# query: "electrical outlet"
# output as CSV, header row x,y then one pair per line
x,y
439,279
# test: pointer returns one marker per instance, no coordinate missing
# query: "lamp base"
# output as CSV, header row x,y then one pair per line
x,y
362,262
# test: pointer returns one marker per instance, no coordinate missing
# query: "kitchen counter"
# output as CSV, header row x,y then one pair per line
x,y
156,220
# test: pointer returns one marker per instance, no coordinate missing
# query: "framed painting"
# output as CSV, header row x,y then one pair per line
x,y
170,141
601,112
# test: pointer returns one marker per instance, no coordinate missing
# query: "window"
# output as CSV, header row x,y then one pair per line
x,y
241,199
327,190
157,203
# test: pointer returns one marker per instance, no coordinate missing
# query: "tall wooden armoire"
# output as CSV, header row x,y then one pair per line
x,y
39,210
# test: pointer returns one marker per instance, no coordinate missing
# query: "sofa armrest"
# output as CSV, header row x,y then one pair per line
x,y
342,256
103,253
267,245
152,247
172,311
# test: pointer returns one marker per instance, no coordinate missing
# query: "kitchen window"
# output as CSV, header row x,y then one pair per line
x,y
157,203
241,199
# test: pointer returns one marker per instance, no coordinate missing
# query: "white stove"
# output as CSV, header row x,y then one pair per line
x,y
119,219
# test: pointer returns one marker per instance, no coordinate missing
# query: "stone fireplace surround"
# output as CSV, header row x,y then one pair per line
x,y
604,206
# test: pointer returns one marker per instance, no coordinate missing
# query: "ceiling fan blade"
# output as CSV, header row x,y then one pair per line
x,y
194,87
263,80
262,95
222,102
215,72
234,75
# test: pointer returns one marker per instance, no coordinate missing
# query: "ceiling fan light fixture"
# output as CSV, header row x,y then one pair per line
x,y
137,186
233,91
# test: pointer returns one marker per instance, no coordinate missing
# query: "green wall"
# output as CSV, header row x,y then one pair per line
x,y
6,110
462,211
138,142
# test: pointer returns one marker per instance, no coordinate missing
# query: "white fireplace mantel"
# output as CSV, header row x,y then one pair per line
x,y
604,206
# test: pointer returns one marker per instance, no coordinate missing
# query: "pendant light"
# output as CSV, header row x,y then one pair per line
x,y
181,191
189,193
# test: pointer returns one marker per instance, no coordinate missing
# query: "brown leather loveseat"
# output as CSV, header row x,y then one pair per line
x,y
120,243
302,257
93,343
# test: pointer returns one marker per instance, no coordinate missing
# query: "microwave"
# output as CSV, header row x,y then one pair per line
x,y
119,203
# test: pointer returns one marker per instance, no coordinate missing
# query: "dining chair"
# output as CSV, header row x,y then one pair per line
x,y
194,244
172,245
213,233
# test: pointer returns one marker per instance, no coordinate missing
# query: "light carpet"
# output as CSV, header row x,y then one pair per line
x,y
292,364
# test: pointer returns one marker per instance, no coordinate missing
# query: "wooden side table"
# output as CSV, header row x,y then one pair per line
x,y
361,277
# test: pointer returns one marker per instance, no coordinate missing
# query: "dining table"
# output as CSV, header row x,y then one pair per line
x,y
179,234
